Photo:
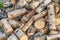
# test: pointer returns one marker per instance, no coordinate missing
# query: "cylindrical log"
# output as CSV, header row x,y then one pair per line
x,y
34,4
53,37
16,13
51,15
58,27
12,37
6,3
57,21
13,1
31,30
26,17
40,8
58,15
53,32
44,30
21,3
20,34
6,26
14,23
27,25
21,25
37,16
56,8
28,0
29,14
3,36
37,36
56,1
46,2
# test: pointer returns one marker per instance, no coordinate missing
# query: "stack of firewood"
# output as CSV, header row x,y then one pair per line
x,y
31,20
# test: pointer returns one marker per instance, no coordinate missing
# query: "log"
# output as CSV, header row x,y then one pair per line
x,y
6,26
21,3
39,37
14,23
39,24
20,34
44,30
57,21
26,17
34,4
31,31
51,15
16,13
12,37
47,2
6,3
56,8
13,2
58,15
53,37
3,36
58,27
40,15
28,0
21,25
56,1
53,32
40,8
27,25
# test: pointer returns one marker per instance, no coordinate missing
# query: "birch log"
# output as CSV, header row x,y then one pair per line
x,y
40,15
51,15
20,34
6,26
34,4
16,13
12,37
53,37
26,17
3,36
31,30
27,25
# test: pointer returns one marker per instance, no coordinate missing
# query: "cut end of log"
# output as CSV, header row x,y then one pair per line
x,y
24,37
39,24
